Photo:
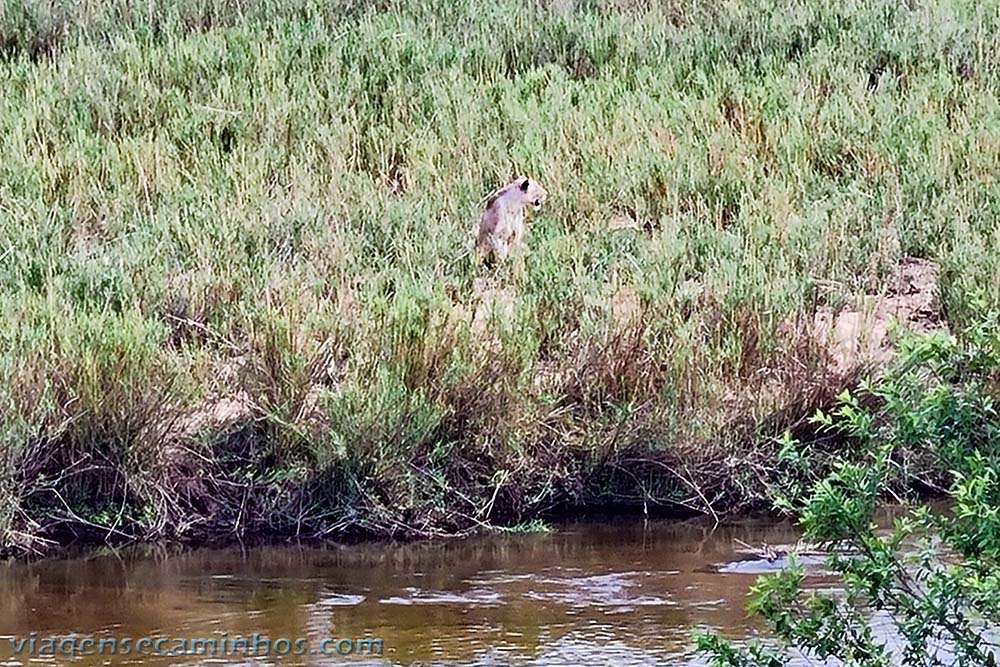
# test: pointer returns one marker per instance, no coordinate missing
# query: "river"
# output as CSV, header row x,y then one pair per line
x,y
617,592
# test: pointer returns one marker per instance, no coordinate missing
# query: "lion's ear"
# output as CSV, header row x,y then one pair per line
x,y
524,185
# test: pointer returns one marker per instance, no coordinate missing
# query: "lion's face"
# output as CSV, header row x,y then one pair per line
x,y
531,193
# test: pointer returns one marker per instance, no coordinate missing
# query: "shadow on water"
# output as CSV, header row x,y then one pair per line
x,y
600,592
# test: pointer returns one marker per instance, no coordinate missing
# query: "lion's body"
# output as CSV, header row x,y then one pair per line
x,y
501,226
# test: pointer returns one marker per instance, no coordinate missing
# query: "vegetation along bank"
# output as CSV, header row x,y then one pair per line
x,y
236,300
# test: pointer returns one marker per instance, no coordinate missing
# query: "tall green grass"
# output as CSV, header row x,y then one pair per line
x,y
268,202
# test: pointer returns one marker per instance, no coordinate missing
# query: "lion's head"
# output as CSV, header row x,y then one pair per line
x,y
530,193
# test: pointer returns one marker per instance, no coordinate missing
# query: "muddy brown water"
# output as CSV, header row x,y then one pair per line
x,y
597,592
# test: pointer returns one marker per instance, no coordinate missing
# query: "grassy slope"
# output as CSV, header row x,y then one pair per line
x,y
264,202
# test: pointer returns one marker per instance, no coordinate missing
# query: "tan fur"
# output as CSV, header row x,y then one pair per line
x,y
501,227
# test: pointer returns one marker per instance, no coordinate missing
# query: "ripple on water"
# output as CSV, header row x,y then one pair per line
x,y
616,591
340,600
760,565
497,578
417,596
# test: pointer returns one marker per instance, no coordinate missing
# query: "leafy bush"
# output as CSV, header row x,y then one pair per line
x,y
934,573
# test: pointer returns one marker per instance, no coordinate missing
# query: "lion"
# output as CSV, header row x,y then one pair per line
x,y
501,226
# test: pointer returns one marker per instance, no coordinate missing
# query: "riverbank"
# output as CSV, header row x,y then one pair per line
x,y
213,476
234,295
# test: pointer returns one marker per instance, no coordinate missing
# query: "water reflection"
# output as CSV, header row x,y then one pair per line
x,y
604,593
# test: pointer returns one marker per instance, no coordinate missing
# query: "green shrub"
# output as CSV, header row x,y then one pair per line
x,y
933,574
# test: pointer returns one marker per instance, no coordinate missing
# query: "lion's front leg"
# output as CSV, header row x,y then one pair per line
x,y
501,247
518,235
